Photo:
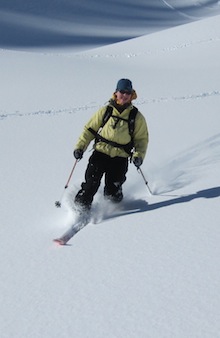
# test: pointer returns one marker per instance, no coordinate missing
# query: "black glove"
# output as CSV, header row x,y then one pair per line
x,y
137,161
78,154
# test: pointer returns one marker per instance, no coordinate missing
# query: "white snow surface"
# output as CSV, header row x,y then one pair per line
x,y
150,267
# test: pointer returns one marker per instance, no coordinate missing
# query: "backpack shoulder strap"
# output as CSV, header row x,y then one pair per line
x,y
131,120
131,126
106,116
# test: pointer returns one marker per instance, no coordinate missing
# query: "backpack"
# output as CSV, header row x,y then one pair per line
x,y
131,126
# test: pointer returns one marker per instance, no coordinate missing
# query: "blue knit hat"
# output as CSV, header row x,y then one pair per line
x,y
124,84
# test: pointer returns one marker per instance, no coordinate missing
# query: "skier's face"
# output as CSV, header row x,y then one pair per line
x,y
123,97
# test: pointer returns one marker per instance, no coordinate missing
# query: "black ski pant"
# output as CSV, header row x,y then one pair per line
x,y
114,168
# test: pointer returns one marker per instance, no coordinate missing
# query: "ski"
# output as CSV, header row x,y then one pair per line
x,y
72,231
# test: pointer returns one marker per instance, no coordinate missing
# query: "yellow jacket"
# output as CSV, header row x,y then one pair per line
x,y
118,133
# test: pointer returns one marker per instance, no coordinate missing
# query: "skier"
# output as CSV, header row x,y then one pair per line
x,y
120,131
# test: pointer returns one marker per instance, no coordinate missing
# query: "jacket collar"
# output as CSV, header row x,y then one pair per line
x,y
120,108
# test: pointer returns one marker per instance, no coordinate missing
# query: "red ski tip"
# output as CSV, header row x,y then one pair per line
x,y
59,241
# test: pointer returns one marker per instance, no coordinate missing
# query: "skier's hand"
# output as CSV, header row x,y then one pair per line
x,y
78,154
137,161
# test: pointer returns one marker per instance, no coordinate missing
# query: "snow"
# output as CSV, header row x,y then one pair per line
x,y
149,268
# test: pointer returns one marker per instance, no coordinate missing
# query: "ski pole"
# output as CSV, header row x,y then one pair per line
x,y
145,181
58,203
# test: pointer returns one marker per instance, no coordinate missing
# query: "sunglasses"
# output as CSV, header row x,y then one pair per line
x,y
125,92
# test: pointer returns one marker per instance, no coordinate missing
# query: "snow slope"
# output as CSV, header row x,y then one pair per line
x,y
90,23
151,268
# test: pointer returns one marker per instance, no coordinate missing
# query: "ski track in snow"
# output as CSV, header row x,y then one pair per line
x,y
74,110
93,105
151,52
181,13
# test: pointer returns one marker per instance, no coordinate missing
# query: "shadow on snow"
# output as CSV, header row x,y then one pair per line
x,y
138,206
